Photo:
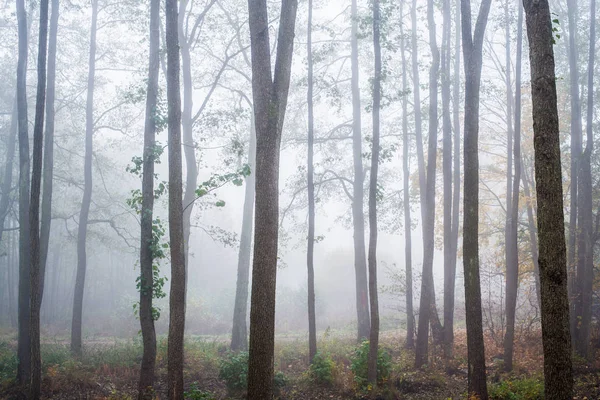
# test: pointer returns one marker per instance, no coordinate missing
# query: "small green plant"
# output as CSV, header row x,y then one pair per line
x,y
518,389
194,393
234,371
359,365
321,369
8,363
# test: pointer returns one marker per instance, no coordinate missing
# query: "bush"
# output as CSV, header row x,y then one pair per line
x,y
321,369
8,363
234,372
359,365
194,393
518,389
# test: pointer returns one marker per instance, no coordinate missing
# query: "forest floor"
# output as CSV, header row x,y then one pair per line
x,y
109,369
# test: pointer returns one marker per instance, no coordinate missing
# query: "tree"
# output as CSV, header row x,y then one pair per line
x,y
176,229
147,242
24,338
269,92
585,250
76,345
558,373
427,309
373,193
35,302
472,50
312,330
360,262
410,316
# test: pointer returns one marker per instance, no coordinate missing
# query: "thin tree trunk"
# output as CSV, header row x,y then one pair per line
x,y
585,264
13,264
373,300
360,258
558,373
511,243
427,310
176,222
147,242
410,316
531,227
449,256
575,281
472,49
312,330
34,208
76,344
270,92
5,196
239,336
24,339
46,218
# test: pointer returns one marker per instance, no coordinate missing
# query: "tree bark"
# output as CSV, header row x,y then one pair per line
x,y
35,380
427,310
472,50
585,251
558,374
147,242
46,218
360,257
373,192
176,221
410,316
312,330
24,338
76,345
511,243
270,92
239,336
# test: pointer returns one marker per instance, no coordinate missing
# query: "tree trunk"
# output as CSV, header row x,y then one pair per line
x,y
270,91
34,208
147,242
6,188
176,223
46,218
24,339
511,243
312,330
76,345
410,316
360,263
449,256
373,191
239,336
472,49
585,253
427,309
558,373
531,227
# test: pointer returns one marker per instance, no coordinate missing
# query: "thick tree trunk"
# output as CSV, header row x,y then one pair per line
x,y
312,330
410,316
449,256
373,299
427,310
270,92
239,336
24,340
511,243
46,218
176,223
87,192
558,373
360,257
585,252
472,49
35,303
147,242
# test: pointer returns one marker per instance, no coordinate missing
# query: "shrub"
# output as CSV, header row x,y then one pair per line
x,y
321,369
518,389
8,363
194,393
234,372
359,365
